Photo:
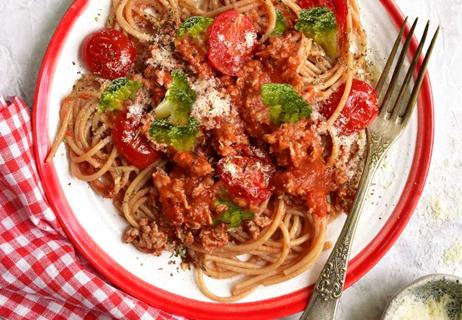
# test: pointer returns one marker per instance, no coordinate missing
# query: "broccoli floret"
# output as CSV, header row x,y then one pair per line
x,y
285,104
117,92
181,137
178,100
320,24
194,26
234,215
173,124
281,24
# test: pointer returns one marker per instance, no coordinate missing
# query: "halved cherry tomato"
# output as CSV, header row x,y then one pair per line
x,y
108,53
232,40
360,110
340,7
246,177
308,4
132,145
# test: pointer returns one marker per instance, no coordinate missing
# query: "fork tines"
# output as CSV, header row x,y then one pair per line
x,y
401,110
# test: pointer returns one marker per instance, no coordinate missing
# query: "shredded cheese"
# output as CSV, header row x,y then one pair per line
x,y
353,152
150,11
125,59
250,38
162,58
210,103
135,111
222,39
412,307
230,168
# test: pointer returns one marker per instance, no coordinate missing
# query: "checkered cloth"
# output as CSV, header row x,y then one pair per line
x,y
41,274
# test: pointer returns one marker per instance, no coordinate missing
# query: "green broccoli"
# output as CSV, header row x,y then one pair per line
x,y
285,104
181,137
234,215
178,100
281,24
173,124
194,26
320,24
117,92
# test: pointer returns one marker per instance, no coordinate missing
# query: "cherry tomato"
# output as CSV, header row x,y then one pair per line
x,y
246,177
132,145
308,4
340,7
360,110
108,53
232,40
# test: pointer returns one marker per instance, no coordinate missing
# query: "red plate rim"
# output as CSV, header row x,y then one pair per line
x,y
159,298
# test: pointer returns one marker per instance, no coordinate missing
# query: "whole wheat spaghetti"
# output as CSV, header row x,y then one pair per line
x,y
223,130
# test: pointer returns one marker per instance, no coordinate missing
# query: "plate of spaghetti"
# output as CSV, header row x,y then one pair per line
x,y
203,155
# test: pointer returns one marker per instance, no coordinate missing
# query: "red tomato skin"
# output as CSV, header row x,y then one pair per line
x,y
341,12
231,42
360,110
132,145
250,179
108,53
308,4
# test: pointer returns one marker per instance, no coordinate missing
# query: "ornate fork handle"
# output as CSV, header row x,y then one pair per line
x,y
329,286
392,120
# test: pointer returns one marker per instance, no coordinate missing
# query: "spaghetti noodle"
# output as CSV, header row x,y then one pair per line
x,y
289,179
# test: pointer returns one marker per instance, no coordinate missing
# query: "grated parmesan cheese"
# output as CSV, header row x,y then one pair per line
x,y
163,58
347,141
150,11
230,168
248,43
210,103
315,114
135,111
250,38
222,39
125,59
429,308
352,152
128,136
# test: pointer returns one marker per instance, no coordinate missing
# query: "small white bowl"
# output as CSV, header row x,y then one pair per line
x,y
435,285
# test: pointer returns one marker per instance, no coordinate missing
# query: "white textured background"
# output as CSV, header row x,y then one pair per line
x,y
431,243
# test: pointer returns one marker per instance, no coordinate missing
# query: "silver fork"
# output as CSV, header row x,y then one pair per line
x,y
385,130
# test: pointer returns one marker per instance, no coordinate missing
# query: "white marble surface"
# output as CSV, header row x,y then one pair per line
x,y
431,243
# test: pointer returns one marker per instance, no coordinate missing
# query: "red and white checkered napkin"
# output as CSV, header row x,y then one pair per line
x,y
41,275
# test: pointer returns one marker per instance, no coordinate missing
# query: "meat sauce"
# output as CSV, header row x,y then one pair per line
x,y
266,159
302,171
273,63
195,54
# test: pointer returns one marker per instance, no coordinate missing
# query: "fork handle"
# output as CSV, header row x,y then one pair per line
x,y
329,287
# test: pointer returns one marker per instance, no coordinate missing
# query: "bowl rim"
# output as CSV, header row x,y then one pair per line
x,y
173,303
403,292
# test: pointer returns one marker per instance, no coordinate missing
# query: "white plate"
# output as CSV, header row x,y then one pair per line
x,y
97,219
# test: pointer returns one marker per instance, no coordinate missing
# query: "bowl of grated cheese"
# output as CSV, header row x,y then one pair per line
x,y
433,297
